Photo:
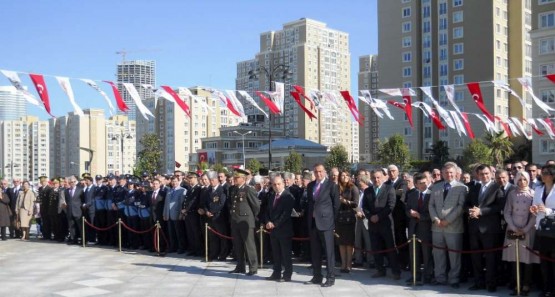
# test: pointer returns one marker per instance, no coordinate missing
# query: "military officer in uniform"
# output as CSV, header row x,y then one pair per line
x,y
189,210
244,209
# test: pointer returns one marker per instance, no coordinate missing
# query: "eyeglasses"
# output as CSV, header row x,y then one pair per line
x,y
436,174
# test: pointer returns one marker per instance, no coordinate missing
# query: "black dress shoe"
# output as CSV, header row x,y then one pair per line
x,y
237,270
455,285
273,278
328,283
492,289
378,274
252,272
284,279
314,281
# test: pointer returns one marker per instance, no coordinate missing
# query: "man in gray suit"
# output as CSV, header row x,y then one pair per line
x,y
323,206
74,201
172,207
446,208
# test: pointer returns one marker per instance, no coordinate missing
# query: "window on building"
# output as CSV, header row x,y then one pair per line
x,y
457,3
547,147
459,95
407,71
426,11
407,57
406,12
547,46
426,41
547,68
442,38
426,26
406,27
458,64
443,69
408,131
442,23
458,32
547,20
407,41
458,16
458,79
458,48
442,8
427,132
548,96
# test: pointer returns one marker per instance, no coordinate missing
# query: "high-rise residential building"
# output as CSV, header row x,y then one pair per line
x,y
317,58
180,136
12,104
543,55
368,132
24,147
139,73
91,144
441,42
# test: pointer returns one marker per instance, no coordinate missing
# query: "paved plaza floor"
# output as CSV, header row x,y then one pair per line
x,y
44,268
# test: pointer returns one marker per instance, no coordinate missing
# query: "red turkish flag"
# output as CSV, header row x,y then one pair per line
x,y
551,77
178,100
352,106
396,104
297,98
408,104
437,120
121,104
177,164
464,117
476,93
300,90
271,105
505,126
532,124
40,85
231,107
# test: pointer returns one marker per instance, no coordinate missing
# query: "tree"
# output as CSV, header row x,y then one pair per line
x,y
394,151
440,153
500,145
294,163
523,152
218,167
150,157
254,165
338,157
477,152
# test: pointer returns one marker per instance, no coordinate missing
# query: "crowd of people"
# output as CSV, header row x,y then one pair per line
x,y
366,219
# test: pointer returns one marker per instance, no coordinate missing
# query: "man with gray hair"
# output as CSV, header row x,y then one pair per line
x,y
398,214
13,192
362,237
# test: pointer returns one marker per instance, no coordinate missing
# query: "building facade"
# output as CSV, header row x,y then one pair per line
x,y
368,132
13,105
139,73
24,145
452,42
543,53
317,58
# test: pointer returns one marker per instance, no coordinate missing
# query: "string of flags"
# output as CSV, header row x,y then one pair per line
x,y
313,101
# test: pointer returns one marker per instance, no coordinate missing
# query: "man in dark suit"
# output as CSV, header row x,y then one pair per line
x,y
189,210
297,192
420,224
89,208
278,221
379,202
398,213
485,202
214,206
13,192
44,197
157,198
323,206
74,201
244,209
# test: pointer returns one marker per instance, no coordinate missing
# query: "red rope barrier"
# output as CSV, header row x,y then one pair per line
x,y
101,229
466,252
135,231
219,234
371,252
542,257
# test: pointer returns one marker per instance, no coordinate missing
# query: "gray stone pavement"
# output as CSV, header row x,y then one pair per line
x,y
46,268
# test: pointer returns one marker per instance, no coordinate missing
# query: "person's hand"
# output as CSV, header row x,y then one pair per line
x,y
443,223
360,214
415,214
165,218
270,226
534,209
374,219
541,208
209,214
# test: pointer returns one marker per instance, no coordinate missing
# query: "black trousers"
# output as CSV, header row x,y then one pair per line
x,y
218,247
146,239
192,229
133,238
322,241
480,241
243,245
47,226
101,221
176,230
281,250
381,239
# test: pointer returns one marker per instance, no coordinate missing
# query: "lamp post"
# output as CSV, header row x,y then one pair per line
x,y
243,137
270,75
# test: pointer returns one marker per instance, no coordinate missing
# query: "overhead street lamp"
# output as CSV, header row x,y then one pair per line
x,y
283,71
243,137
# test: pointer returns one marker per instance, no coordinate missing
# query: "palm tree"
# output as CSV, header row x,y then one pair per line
x,y
440,153
500,145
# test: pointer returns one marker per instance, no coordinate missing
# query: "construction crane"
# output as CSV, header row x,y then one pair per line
x,y
124,52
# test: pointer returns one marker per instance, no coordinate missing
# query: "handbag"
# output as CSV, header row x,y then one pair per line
x,y
547,227
512,235
346,216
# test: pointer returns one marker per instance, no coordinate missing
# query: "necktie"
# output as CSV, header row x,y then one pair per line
x,y
316,191
446,188
420,201
154,194
376,191
71,192
482,191
276,200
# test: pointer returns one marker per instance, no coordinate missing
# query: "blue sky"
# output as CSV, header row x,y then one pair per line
x,y
192,42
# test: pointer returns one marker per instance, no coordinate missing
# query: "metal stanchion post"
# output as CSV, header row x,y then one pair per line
x,y
158,236
261,246
119,233
414,259
517,267
83,230
206,242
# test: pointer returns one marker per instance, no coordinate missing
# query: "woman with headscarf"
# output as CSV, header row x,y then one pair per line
x,y
520,224
24,208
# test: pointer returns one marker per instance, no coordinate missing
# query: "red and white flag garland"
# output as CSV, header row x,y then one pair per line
x,y
297,98
177,100
66,87
476,93
119,100
40,85
14,79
